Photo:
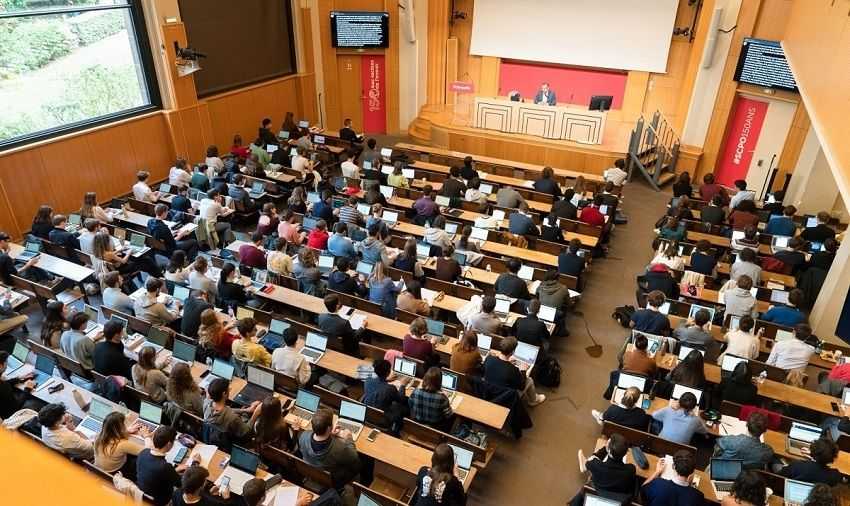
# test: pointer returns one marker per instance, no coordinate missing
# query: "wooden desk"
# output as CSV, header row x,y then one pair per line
x,y
497,161
55,265
723,242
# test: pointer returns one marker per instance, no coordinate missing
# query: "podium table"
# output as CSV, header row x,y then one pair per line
x,y
565,122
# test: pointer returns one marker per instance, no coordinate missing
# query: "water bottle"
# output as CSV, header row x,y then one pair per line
x,y
489,269
762,377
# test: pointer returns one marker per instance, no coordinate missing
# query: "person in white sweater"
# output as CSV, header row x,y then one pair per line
x,y
742,342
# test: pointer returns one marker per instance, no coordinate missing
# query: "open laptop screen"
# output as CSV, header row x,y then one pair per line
x,y
307,400
260,378
630,380
726,469
352,411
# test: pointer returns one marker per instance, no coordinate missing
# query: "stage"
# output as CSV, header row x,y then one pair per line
x,y
448,130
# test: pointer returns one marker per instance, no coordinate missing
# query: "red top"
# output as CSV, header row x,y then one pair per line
x,y
708,191
225,344
252,256
318,239
240,151
417,348
840,372
740,220
592,216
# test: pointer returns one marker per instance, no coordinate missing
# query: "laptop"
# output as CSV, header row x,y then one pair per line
x,y
271,148
184,352
165,188
276,329
498,214
259,278
137,244
486,189
463,461
811,222
386,152
121,321
365,268
479,233
219,369
845,396
314,347
313,197
626,381
780,241
309,222
90,425
730,362
150,415
352,416
547,313
387,191
423,250
319,139
31,250
665,308
678,390
723,473
387,169
257,189
241,468
408,173
43,371
526,353
451,227
449,384
695,307
365,500
526,272
18,357
390,217
293,151
734,322
260,385
800,438
157,338
436,328
779,296
443,201
74,222
796,492
783,335
595,500
326,263
181,293
306,404
367,165
459,257
685,350
243,312
653,342
364,209
737,235
484,344
93,315
303,124
405,367
283,134
503,308
603,209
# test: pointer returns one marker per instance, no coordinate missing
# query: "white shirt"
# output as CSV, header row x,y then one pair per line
x,y
210,210
475,195
615,175
740,197
179,177
291,363
68,442
790,354
214,163
350,170
198,281
299,163
741,344
141,191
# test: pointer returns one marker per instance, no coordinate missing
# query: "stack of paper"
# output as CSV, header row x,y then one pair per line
x,y
429,296
357,321
204,451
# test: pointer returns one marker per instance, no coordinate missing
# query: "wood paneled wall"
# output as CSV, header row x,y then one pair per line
x,y
60,171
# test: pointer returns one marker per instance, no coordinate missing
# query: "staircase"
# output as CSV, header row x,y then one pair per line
x,y
654,150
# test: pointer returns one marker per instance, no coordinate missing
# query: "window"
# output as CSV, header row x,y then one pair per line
x,y
71,64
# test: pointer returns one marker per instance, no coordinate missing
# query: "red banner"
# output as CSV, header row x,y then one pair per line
x,y
741,139
374,86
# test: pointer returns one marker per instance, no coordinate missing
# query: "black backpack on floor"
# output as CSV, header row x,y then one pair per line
x,y
623,314
547,372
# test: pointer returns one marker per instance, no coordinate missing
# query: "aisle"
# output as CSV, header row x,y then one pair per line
x,y
541,468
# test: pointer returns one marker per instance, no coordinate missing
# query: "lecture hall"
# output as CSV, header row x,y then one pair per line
x,y
424,252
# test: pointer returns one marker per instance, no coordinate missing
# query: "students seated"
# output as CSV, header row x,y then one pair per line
x,y
821,232
307,273
520,222
381,393
447,268
177,269
564,208
278,261
236,423
474,194
690,371
551,231
823,259
323,209
61,237
673,230
658,491
147,377
744,216
696,331
373,248
155,476
438,485
417,344
750,240
113,297
738,387
198,279
629,414
148,308
547,183
591,215
453,186
682,186
182,390
113,449
350,169
289,361
407,260
11,398
331,449
42,222
214,336
57,432
709,188
702,261
569,261
650,319
679,424
741,195
617,173
610,476
486,322
659,278
553,293
337,327
91,210
246,348
340,280
382,289
465,358
510,284
339,244
141,190
529,329
500,371
435,233
793,258
792,353
713,212
210,209
75,344
428,404
817,470
742,342
784,224
108,356
508,196
668,254
746,264
788,314
376,216
290,231
425,207
637,360
747,447
410,299
230,290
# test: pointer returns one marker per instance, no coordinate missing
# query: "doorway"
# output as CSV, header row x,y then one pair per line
x,y
362,91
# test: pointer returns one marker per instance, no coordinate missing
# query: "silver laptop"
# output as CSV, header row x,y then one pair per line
x,y
406,367
18,358
183,352
156,338
314,347
423,250
695,307
526,273
365,268
449,383
796,492
503,308
180,293
387,191
779,296
480,234
219,369
485,188
679,390
93,422
352,416
547,313
389,217
730,362
526,353
150,415
326,263
306,404
443,201
364,209
723,473
386,152
484,344
31,250
626,381
463,461
800,438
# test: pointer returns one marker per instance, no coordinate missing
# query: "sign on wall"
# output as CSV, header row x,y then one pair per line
x,y
373,80
741,139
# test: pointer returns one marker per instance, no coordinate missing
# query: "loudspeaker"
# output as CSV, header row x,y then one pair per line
x,y
711,40
409,19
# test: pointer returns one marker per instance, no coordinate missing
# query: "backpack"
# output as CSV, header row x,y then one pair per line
x,y
623,315
547,372
772,264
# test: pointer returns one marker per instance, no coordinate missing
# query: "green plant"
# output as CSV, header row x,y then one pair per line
x,y
22,124
32,44
96,91
92,27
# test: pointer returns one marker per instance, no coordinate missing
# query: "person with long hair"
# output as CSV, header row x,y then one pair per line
x,y
182,390
107,259
177,269
214,336
397,178
466,359
230,289
690,371
382,288
428,403
289,124
278,261
270,428
238,149
407,260
307,272
417,344
147,377
738,387
268,222
55,322
290,231
42,223
297,202
91,209
438,485
411,300
113,448
682,186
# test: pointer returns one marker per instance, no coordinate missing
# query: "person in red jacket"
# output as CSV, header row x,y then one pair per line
x,y
318,238
591,214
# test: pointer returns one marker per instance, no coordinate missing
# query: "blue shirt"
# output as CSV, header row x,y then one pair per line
x,y
781,225
661,492
784,315
341,246
324,211
378,292
654,322
679,426
521,224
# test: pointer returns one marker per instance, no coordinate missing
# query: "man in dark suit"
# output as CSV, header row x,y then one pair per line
x,y
530,329
547,183
160,231
453,187
545,95
564,208
520,223
569,261
237,192
62,237
347,133
335,326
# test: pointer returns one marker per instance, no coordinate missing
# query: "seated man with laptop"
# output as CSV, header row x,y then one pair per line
x,y
331,449
226,419
816,468
748,447
499,370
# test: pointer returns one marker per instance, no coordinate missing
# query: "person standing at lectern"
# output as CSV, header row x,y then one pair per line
x,y
545,95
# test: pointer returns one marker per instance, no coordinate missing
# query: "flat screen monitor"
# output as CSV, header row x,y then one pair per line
x,y
600,102
762,63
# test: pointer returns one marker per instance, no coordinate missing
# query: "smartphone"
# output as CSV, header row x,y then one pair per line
x,y
181,454
834,407
59,386
373,435
225,482
646,403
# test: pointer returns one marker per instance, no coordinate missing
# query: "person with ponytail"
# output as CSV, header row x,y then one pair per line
x,y
437,485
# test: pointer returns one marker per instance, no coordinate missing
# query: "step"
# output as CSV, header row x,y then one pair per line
x,y
666,177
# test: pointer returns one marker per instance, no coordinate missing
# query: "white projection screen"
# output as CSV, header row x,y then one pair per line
x,y
615,34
